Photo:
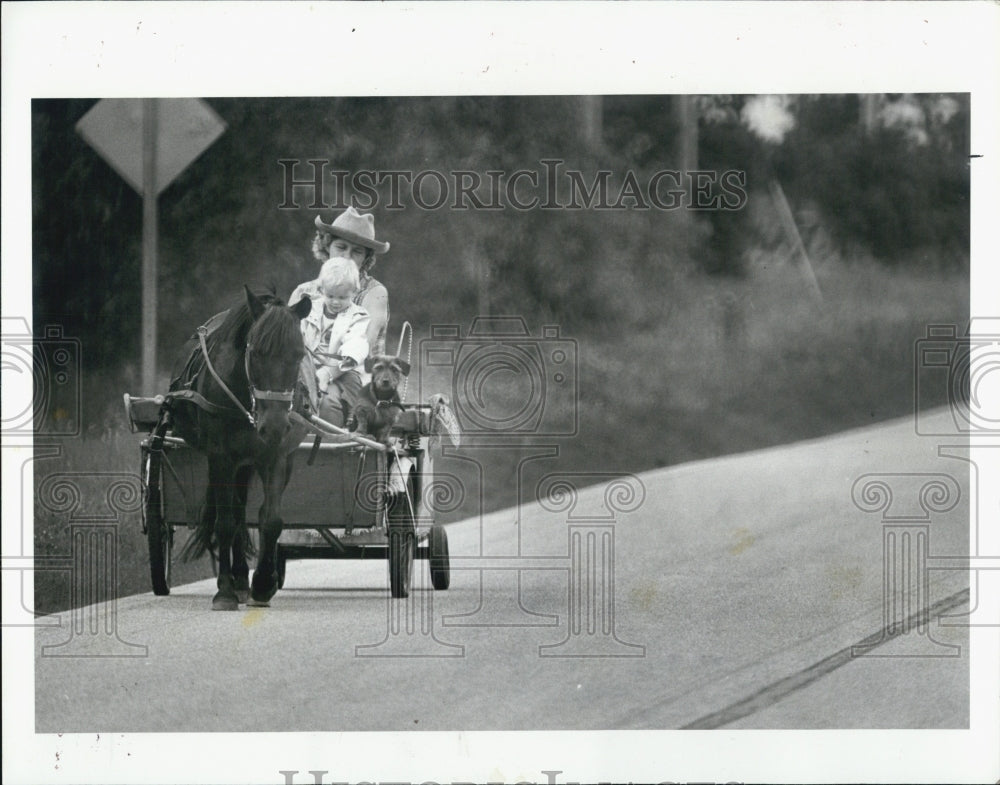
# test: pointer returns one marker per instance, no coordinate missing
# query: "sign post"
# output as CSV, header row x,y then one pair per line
x,y
150,230
149,142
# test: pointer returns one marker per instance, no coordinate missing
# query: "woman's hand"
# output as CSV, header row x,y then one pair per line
x,y
326,375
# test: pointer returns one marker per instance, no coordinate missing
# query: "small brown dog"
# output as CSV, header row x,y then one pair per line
x,y
379,403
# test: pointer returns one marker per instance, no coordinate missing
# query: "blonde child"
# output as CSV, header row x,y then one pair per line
x,y
336,337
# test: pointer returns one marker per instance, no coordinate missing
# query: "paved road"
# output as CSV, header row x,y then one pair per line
x,y
739,585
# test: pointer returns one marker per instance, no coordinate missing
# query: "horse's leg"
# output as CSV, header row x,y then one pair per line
x,y
221,474
241,570
208,510
265,577
206,522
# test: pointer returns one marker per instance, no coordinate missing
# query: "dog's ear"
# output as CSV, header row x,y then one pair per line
x,y
369,363
302,308
404,366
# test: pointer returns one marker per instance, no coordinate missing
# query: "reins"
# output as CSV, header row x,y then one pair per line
x,y
287,396
202,332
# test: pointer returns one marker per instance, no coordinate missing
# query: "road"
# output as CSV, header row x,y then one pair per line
x,y
739,586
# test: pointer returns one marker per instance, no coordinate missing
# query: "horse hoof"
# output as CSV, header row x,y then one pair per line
x,y
262,591
225,602
252,603
242,588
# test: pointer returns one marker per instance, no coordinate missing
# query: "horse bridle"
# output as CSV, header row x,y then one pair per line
x,y
255,394
287,396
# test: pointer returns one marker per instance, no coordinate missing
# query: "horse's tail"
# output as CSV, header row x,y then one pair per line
x,y
203,541
203,538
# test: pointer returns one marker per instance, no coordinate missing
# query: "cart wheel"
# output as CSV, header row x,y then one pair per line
x,y
282,567
159,536
439,561
402,542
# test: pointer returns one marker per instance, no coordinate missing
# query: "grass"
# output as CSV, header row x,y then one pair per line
x,y
761,363
713,367
75,488
739,365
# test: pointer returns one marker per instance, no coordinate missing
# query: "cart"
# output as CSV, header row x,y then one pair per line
x,y
344,492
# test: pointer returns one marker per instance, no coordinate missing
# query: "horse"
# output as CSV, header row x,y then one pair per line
x,y
232,403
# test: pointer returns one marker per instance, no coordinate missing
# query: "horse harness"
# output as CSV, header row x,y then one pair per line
x,y
191,371
255,394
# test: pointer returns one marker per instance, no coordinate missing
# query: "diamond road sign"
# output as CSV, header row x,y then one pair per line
x,y
186,128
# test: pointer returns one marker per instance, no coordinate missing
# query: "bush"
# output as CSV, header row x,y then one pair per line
x,y
882,191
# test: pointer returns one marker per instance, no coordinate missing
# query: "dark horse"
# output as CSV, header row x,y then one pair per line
x,y
242,424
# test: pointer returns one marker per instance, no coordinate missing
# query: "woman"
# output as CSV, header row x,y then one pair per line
x,y
352,236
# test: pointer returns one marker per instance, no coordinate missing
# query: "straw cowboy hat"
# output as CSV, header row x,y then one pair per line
x,y
350,225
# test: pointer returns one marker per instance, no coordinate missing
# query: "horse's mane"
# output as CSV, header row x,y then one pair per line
x,y
234,328
276,332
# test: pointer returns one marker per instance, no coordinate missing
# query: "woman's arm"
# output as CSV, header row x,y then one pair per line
x,y
376,302
354,343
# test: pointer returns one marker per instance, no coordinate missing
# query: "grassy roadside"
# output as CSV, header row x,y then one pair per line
x,y
94,480
748,365
716,368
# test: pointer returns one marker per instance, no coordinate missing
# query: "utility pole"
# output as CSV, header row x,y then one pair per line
x,y
686,112
868,112
592,121
686,154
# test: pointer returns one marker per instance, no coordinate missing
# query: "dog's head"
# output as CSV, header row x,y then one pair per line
x,y
387,372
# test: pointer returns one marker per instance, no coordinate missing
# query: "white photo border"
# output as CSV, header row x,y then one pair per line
x,y
237,49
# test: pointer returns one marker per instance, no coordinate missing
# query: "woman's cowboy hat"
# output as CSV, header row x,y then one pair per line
x,y
355,228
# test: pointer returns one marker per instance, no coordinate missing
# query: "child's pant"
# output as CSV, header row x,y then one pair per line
x,y
340,398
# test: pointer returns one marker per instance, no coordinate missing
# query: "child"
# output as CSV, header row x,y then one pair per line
x,y
352,236
335,335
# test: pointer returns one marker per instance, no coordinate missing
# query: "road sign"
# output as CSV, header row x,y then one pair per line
x,y
149,141
186,128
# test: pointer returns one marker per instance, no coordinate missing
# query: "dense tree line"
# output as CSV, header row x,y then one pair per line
x,y
888,176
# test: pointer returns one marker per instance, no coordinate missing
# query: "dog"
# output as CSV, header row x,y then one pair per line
x,y
379,403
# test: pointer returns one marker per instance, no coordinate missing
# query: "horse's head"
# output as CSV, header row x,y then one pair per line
x,y
274,352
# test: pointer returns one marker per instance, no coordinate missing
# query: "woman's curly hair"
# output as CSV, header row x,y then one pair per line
x,y
321,250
